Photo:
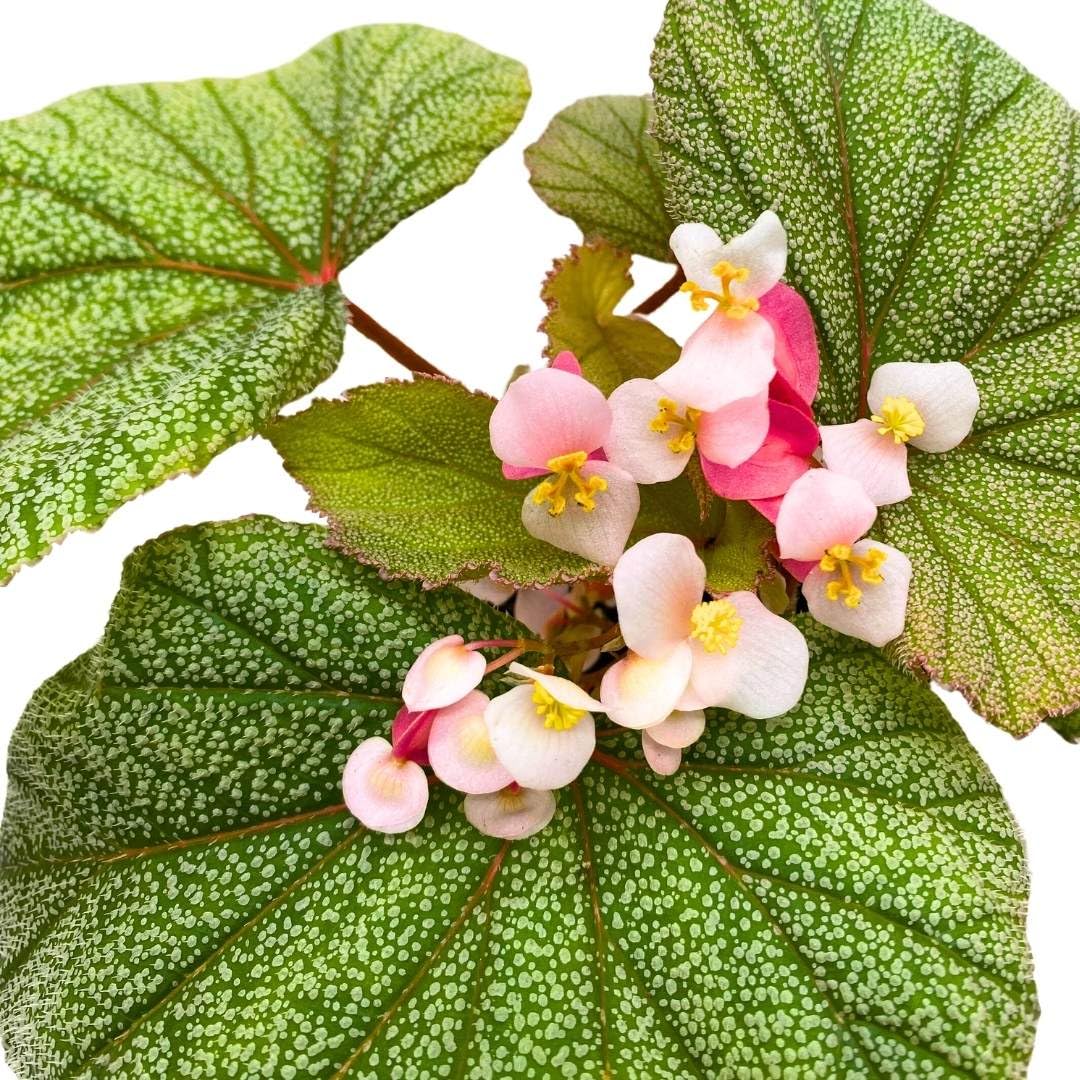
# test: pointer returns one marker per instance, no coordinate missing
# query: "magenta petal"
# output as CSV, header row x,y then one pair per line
x,y
566,361
409,733
522,472
797,569
797,358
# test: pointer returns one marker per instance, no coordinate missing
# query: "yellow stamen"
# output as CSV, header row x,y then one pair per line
x,y
735,307
668,415
900,419
840,559
554,713
716,624
567,470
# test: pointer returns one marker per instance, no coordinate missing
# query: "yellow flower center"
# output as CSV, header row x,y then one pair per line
x,y
716,624
900,419
839,560
567,469
734,307
668,417
554,713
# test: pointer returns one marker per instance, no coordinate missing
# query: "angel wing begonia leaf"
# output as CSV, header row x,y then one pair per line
x,y
168,254
930,189
597,163
839,891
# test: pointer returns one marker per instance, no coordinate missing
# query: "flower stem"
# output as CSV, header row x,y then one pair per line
x,y
502,661
662,295
392,345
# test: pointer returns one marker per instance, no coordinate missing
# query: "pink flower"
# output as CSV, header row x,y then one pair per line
x,y
550,423
857,586
932,406
443,673
460,751
688,653
663,743
512,813
384,792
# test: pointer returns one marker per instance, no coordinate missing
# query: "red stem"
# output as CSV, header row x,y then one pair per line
x,y
392,345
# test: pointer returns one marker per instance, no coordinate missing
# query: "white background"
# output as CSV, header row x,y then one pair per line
x,y
493,241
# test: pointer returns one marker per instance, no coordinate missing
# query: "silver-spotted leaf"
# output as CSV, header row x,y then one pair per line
x,y
835,893
931,189
168,254
597,163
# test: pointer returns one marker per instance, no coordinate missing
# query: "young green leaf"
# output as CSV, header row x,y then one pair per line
x,y
841,889
406,474
931,191
738,558
581,293
597,163
168,254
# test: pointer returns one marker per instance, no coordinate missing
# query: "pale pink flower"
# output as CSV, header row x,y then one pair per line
x,y
512,813
443,673
487,589
460,750
551,423
384,792
858,587
663,760
932,406
689,653
663,743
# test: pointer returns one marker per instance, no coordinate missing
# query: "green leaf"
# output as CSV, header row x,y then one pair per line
x,y
406,474
738,559
597,163
1067,726
837,893
931,190
168,254
581,293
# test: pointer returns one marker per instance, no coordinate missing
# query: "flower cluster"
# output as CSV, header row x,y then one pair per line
x,y
647,645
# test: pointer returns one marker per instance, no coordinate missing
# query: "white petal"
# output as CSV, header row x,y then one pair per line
x,y
383,792
510,815
599,535
632,444
762,249
460,750
697,248
657,584
444,672
638,693
537,756
663,760
764,674
880,615
562,690
679,730
945,395
877,462
488,589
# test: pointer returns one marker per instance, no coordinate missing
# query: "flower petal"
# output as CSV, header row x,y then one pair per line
x,y
880,615
657,584
460,751
632,444
522,472
638,693
734,432
381,791
797,358
821,509
945,395
877,462
537,756
409,733
562,690
487,589
762,250
510,814
540,610
722,361
443,673
679,730
546,414
566,361
764,674
598,535
663,760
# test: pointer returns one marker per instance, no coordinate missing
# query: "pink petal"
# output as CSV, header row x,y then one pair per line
x,y
657,584
562,690
487,589
461,752
537,756
511,814
797,358
522,472
821,510
768,508
877,462
540,609
638,693
409,734
764,674
679,730
945,395
734,432
663,760
723,360
798,568
383,792
566,361
632,444
546,414
442,674
880,615
598,535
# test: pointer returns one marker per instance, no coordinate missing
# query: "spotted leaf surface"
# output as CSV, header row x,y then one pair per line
x,y
930,187
598,164
839,892
168,254
406,474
